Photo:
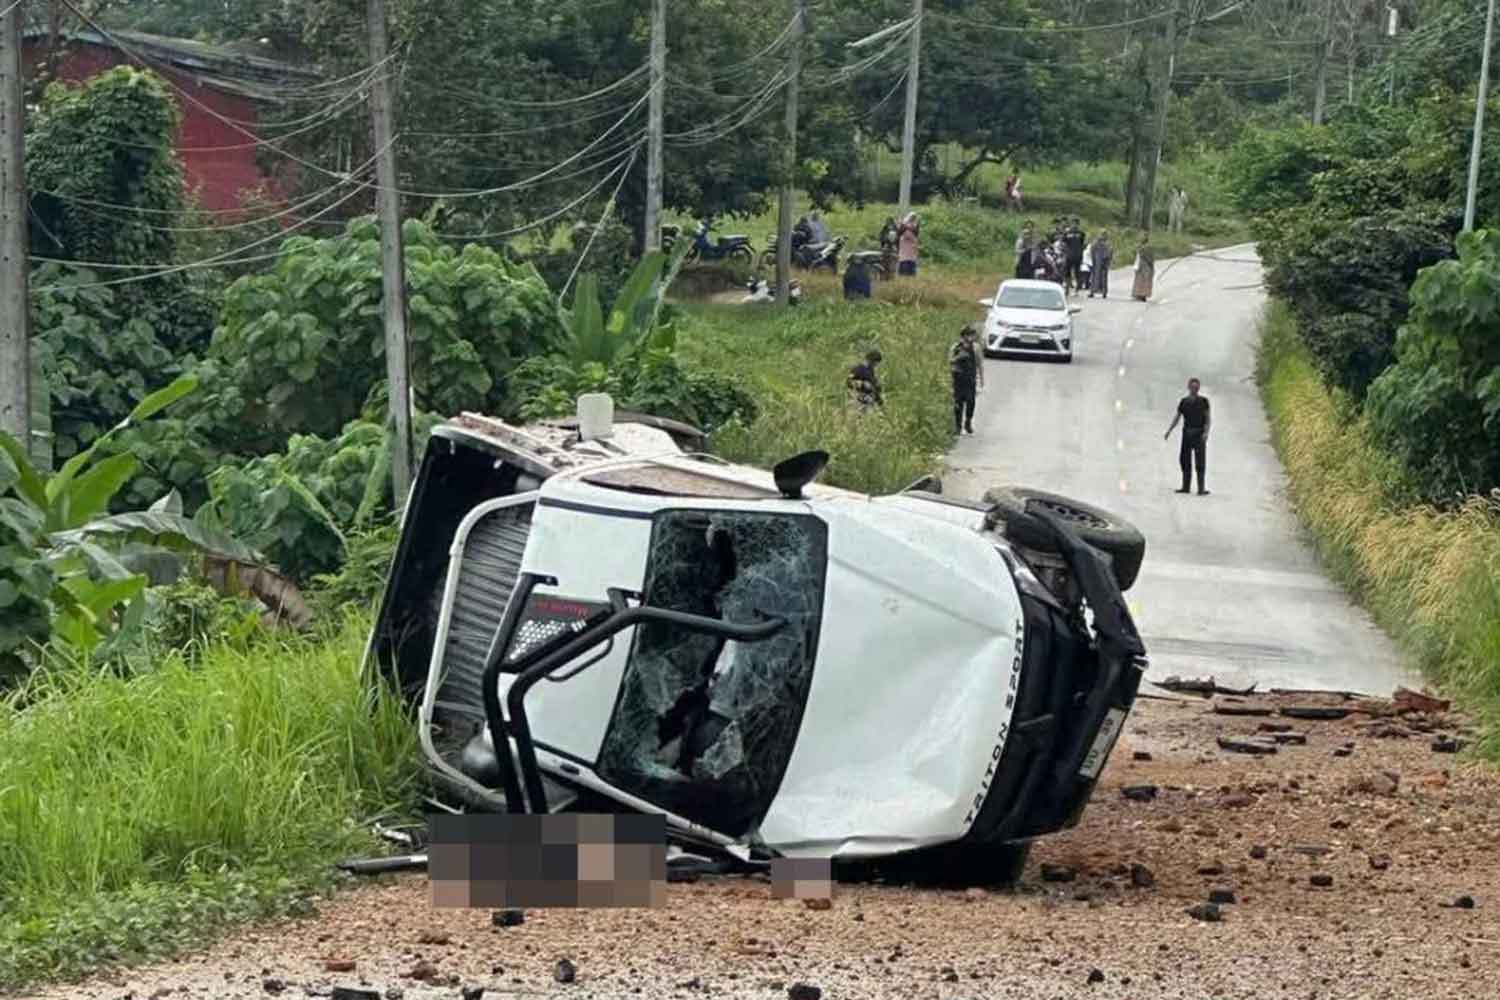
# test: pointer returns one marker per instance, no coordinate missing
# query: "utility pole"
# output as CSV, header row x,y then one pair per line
x,y
1392,22
784,217
15,305
1325,53
1484,91
1148,189
392,261
651,238
909,132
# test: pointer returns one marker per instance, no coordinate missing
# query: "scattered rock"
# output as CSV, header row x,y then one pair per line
x,y
1343,752
566,971
1382,730
1273,727
1095,976
1321,712
1442,745
1171,826
1461,903
1221,896
1207,912
1378,783
975,894
818,903
508,918
1245,746
1380,862
1139,793
1321,879
1141,755
803,991
353,993
1406,700
1258,852
1312,850
424,972
1290,739
432,937
1237,800
1142,877
1437,779
1058,873
338,965
273,986
1338,824
692,984
950,975
1241,709
473,993
1212,868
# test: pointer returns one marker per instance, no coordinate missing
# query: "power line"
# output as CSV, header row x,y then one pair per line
x,y
603,218
1034,29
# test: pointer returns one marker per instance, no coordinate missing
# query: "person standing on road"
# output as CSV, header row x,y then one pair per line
x,y
907,242
864,384
1177,210
1193,411
968,377
1145,269
1101,257
1073,243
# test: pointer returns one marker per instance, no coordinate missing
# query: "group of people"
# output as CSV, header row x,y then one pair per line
x,y
1065,255
899,242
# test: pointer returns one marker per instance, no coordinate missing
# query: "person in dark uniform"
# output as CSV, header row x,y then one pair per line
x,y
1074,240
857,280
1193,411
968,376
864,384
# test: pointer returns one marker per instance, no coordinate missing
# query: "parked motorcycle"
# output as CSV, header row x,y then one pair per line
x,y
736,248
808,256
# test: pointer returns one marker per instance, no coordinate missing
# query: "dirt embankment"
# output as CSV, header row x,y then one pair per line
x,y
1357,860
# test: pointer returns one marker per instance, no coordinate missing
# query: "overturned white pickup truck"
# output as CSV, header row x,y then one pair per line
x,y
778,667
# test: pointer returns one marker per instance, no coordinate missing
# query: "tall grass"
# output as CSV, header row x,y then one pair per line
x,y
1431,578
137,814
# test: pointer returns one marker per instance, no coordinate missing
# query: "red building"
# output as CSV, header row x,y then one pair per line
x,y
222,95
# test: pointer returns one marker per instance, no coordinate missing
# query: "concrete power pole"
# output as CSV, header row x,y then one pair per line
x,y
392,262
784,215
1148,188
651,238
1484,92
1325,54
15,311
909,132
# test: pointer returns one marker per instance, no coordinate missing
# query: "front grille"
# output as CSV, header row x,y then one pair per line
x,y
491,561
1045,344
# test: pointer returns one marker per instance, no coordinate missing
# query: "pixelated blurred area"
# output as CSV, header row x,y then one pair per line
x,y
575,860
801,878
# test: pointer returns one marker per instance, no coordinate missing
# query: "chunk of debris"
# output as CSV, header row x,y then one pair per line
x,y
1444,745
1343,751
423,972
1139,793
975,894
273,986
1095,976
473,993
338,965
1058,873
433,937
1320,879
1221,896
1142,877
1212,868
1320,712
566,971
1274,727
1377,783
1237,800
508,918
1245,746
1241,709
1290,739
1141,755
1204,686
354,993
1312,850
1380,862
1207,912
818,903
1258,852
1382,730
1407,700
1461,903
803,991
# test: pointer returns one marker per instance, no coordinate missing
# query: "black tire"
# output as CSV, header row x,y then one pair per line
x,y
1109,533
768,260
743,254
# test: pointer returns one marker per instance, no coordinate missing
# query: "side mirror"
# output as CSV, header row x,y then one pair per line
x,y
1074,310
987,303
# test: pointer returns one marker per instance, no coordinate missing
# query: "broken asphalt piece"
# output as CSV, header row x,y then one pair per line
x,y
1142,877
1407,700
1241,709
508,918
354,993
1245,746
1212,868
1207,912
1441,745
818,903
1258,852
338,965
1139,793
1381,730
1322,712
1203,686
1274,727
1378,783
1058,873
565,972
1095,976
1461,903
1221,896
1320,879
1141,755
803,991
1380,862
1290,739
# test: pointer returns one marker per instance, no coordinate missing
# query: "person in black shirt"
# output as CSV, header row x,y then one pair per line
x,y
968,376
1074,240
1193,411
864,384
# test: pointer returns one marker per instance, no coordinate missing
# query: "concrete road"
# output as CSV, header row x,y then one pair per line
x,y
1228,587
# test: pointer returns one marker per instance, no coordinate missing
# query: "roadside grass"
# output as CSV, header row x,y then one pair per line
x,y
1430,578
140,816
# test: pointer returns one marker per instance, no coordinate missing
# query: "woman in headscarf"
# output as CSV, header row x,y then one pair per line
x,y
888,239
906,240
1101,255
1145,269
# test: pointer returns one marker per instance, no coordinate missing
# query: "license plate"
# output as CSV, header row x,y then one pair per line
x,y
1104,742
1030,338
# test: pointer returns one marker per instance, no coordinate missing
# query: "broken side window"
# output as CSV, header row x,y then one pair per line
x,y
704,726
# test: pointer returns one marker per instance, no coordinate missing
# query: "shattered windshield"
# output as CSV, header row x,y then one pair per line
x,y
704,726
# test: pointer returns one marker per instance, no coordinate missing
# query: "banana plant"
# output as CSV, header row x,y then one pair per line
x,y
73,566
594,338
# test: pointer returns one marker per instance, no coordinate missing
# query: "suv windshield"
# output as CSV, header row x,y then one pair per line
x,y
704,726
1012,297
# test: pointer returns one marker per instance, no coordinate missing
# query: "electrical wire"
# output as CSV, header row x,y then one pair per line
x,y
545,105
1034,29
609,207
529,130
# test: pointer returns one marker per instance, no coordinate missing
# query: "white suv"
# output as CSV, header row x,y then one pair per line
x,y
1030,318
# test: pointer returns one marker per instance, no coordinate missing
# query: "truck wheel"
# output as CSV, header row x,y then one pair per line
x,y
1109,533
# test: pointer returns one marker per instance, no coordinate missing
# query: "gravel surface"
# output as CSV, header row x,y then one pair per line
x,y
1366,875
